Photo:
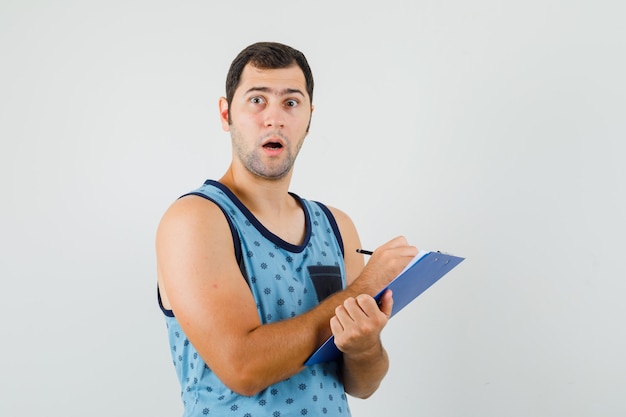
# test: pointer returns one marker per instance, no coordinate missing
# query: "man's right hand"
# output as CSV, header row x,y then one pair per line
x,y
387,261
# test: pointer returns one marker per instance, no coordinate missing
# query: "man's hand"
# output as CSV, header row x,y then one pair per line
x,y
358,322
387,261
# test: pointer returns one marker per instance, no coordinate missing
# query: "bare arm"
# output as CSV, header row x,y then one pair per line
x,y
200,280
357,326
358,322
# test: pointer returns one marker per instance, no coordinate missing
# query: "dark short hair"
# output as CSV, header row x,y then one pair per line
x,y
266,55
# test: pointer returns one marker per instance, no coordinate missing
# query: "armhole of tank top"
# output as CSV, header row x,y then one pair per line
x,y
333,224
236,244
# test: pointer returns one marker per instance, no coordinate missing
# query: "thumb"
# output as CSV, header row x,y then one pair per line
x,y
386,303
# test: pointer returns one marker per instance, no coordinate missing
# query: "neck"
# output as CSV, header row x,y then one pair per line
x,y
270,202
262,196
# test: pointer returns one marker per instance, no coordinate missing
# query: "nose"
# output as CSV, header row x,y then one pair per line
x,y
274,117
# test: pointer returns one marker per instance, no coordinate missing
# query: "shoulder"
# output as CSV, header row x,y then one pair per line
x,y
351,242
192,217
191,209
192,230
343,220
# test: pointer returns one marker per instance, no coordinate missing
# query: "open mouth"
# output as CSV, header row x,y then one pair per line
x,y
273,145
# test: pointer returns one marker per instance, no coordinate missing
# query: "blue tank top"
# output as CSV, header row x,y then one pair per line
x,y
286,280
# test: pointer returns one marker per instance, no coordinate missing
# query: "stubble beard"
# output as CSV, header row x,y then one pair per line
x,y
253,161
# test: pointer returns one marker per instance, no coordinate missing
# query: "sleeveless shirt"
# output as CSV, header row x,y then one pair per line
x,y
286,280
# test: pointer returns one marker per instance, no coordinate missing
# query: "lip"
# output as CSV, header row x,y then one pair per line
x,y
273,151
273,139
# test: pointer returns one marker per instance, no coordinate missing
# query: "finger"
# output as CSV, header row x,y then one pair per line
x,y
335,326
367,305
394,250
362,307
374,310
397,241
345,312
386,303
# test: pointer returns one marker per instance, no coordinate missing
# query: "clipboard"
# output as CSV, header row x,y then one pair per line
x,y
421,273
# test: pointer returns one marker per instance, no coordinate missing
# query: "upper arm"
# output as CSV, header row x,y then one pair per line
x,y
353,260
200,279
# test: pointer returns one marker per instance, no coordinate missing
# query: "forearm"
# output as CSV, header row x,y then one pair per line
x,y
362,375
280,348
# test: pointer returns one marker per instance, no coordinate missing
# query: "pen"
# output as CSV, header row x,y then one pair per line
x,y
365,252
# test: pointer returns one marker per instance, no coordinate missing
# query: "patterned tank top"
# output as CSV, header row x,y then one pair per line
x,y
286,280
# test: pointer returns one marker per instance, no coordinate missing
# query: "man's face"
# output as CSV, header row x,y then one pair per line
x,y
270,114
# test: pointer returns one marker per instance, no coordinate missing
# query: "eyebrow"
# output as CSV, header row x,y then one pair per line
x,y
283,92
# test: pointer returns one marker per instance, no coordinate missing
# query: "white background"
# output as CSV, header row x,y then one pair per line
x,y
492,130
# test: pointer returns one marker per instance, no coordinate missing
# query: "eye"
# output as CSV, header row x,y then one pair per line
x,y
257,100
291,103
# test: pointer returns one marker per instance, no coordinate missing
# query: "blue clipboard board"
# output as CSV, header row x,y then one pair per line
x,y
425,269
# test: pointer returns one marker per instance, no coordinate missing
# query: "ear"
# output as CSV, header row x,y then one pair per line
x,y
310,117
223,104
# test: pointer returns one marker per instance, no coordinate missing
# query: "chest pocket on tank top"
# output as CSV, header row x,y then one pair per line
x,y
326,280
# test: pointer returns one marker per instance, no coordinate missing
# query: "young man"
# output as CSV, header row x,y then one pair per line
x,y
252,278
